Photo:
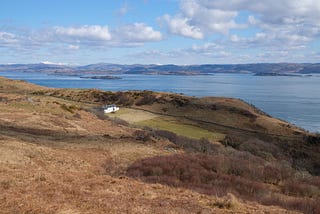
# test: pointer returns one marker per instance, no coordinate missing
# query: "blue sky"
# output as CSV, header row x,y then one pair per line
x,y
159,31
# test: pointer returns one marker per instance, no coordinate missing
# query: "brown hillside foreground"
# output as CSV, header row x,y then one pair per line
x,y
57,157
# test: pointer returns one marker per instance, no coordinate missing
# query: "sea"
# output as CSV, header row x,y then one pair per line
x,y
295,99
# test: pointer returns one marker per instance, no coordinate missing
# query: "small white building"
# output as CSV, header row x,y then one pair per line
x,y
110,108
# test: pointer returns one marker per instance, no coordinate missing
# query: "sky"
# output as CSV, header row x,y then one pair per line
x,y
78,32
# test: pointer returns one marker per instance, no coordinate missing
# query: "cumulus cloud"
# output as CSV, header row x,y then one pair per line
x,y
195,20
199,18
137,32
179,25
86,32
277,38
274,11
95,35
209,49
89,36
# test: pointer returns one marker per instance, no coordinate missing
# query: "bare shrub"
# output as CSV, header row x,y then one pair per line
x,y
217,174
99,113
304,205
201,172
313,139
69,108
271,175
299,189
147,99
142,135
119,121
232,141
124,99
228,202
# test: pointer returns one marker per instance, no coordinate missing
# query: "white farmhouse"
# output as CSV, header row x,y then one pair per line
x,y
110,108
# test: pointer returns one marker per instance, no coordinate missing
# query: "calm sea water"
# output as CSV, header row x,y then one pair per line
x,y
294,99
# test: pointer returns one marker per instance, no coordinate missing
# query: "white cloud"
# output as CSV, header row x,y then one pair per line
x,y
88,36
180,26
211,46
53,63
277,39
86,32
195,20
100,36
137,32
209,19
295,19
271,9
7,38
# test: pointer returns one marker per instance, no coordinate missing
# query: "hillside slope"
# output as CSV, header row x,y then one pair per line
x,y
59,154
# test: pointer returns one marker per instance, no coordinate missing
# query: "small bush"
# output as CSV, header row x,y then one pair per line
x,y
147,99
124,99
299,189
229,202
305,205
245,176
201,172
141,135
99,113
119,121
38,93
70,108
231,141
313,139
271,175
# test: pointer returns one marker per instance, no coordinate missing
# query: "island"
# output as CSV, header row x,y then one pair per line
x,y
101,77
277,74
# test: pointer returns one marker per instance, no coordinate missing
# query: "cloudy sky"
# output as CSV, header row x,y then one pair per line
x,y
159,31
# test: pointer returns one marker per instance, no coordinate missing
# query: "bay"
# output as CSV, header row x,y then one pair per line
x,y
291,98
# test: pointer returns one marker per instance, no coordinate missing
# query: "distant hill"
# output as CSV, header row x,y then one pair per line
x,y
169,69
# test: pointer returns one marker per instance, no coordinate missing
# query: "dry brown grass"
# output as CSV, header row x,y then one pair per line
x,y
57,157
251,179
71,179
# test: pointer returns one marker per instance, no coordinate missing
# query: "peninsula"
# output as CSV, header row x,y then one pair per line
x,y
60,153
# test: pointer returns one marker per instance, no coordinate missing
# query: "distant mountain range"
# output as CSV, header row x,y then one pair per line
x,y
169,69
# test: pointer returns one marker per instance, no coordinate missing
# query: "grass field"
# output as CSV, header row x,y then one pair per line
x,y
143,118
181,129
132,115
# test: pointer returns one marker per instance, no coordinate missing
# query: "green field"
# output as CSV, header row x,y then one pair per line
x,y
181,129
143,118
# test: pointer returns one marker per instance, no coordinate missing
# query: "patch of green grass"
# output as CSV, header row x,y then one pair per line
x,y
180,129
120,112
